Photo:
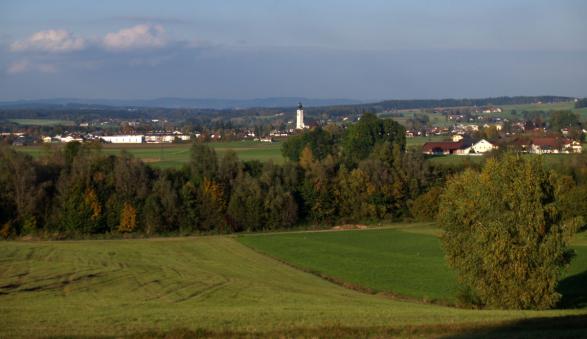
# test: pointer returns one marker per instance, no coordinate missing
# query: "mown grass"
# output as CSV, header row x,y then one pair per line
x,y
211,286
406,261
42,122
176,155
420,141
387,260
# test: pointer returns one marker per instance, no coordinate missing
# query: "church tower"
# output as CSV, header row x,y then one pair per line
x,y
300,117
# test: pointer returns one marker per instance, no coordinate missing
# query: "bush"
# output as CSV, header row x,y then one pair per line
x,y
425,206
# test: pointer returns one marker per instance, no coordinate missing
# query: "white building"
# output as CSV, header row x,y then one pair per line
x,y
124,139
68,138
457,137
158,138
300,117
482,146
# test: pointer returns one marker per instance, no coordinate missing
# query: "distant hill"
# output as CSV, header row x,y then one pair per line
x,y
208,103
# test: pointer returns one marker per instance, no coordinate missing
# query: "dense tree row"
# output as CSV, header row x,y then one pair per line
x,y
359,174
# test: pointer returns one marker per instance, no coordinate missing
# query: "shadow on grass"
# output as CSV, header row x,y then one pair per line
x,y
574,291
556,327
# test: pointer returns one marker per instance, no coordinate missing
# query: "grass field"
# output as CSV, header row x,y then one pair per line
x,y
388,260
561,106
404,260
175,155
42,122
211,285
419,141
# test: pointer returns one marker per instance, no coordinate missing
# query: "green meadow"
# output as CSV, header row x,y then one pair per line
x,y
419,141
175,155
215,286
406,260
42,122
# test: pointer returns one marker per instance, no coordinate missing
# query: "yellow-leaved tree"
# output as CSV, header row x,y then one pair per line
x,y
128,218
506,234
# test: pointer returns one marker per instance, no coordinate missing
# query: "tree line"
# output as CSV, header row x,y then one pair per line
x,y
336,175
333,175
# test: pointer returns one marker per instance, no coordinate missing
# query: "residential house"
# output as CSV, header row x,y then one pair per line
x,y
480,147
123,139
462,146
443,147
554,145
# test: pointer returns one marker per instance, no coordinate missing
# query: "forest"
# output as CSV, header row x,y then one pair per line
x,y
334,175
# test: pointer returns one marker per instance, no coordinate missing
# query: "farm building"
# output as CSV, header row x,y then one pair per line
x,y
124,139
67,138
443,147
166,137
460,147
481,146
554,145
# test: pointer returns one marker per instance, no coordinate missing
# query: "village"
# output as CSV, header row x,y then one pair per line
x,y
469,131
464,145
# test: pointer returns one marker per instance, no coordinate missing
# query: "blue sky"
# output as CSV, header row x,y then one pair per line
x,y
322,49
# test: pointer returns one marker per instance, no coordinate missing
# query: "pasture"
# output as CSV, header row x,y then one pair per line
x,y
216,286
419,141
560,106
176,155
405,260
42,122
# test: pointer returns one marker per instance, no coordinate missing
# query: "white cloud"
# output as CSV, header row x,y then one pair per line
x,y
18,67
54,41
136,37
27,66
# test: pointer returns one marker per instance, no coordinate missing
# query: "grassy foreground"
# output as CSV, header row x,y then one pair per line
x,y
211,285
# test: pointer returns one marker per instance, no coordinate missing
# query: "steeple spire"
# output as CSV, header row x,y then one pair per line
x,y
300,117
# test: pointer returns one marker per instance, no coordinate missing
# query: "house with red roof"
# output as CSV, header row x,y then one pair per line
x,y
443,147
460,147
554,145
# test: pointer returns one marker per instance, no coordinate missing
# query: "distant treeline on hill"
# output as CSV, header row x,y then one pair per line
x,y
77,111
388,105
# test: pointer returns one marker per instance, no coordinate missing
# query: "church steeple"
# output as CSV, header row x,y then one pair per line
x,y
300,117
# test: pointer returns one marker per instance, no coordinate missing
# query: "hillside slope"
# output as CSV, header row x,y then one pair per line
x,y
215,284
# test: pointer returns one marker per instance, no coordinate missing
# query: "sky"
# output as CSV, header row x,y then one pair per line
x,y
366,50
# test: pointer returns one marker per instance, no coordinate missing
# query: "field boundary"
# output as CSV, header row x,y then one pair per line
x,y
326,229
356,287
